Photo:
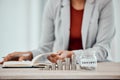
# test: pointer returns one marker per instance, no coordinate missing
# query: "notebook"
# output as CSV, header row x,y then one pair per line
x,y
39,61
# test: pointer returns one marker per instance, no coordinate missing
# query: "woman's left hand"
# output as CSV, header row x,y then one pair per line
x,y
60,55
64,53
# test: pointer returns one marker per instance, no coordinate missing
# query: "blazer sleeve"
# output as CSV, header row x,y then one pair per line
x,y
106,32
47,37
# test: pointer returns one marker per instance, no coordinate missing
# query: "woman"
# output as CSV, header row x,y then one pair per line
x,y
72,27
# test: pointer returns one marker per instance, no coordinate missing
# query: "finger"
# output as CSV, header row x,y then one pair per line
x,y
60,52
22,58
53,60
48,57
8,58
53,55
57,57
1,62
61,58
27,57
11,57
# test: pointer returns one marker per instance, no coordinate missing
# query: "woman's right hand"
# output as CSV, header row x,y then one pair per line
x,y
18,56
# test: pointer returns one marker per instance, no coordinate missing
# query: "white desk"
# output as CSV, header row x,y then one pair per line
x,y
105,70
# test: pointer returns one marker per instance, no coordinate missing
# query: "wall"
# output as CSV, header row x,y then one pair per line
x,y
20,25
116,42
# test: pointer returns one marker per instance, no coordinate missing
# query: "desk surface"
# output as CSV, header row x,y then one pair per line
x,y
105,70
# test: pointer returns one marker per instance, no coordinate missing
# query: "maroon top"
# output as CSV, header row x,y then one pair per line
x,y
75,42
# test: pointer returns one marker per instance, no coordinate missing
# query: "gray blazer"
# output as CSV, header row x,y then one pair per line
x,y
97,27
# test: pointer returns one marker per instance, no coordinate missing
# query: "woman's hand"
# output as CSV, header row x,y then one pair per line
x,y
54,57
18,56
64,53
60,55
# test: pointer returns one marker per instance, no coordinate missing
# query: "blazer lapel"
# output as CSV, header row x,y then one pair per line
x,y
65,19
86,20
65,22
